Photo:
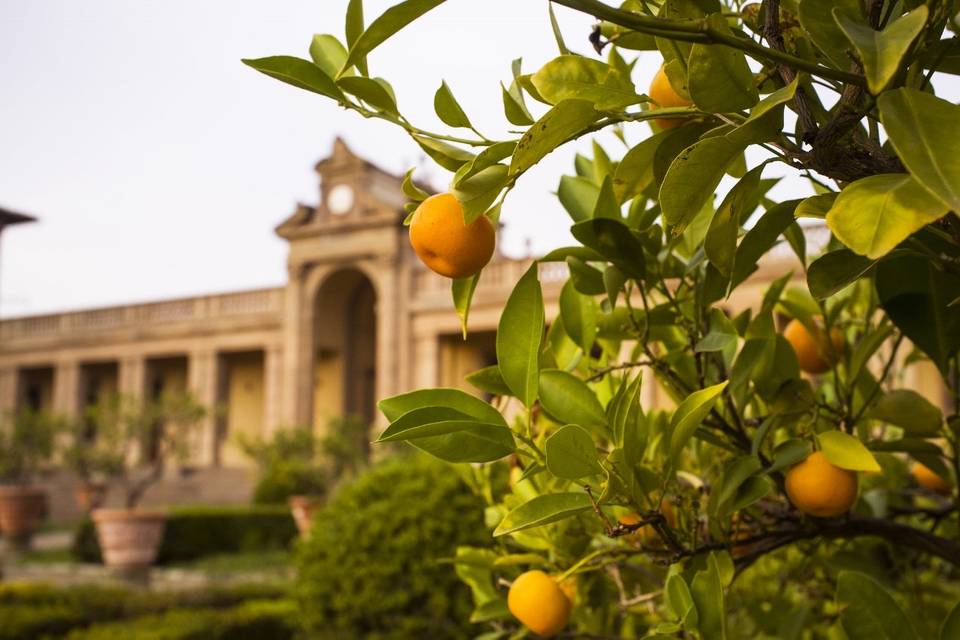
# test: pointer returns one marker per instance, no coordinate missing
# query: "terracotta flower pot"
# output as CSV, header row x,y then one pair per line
x,y
90,495
129,538
303,508
22,509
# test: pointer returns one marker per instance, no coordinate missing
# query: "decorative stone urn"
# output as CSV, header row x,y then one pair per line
x,y
303,509
129,538
90,495
22,509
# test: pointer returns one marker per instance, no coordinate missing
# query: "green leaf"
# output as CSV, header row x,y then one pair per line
x,y
761,239
486,158
514,108
450,435
922,129
833,272
614,241
569,400
875,214
846,452
607,205
579,314
519,335
909,410
635,171
561,45
816,206
462,290
718,77
707,592
881,52
373,91
448,109
354,29
573,76
584,278
489,380
690,414
477,193
565,121
571,453
299,73
950,630
942,55
328,53
410,189
735,473
915,295
693,178
680,601
817,20
868,612
455,399
578,197
542,510
446,155
720,243
789,453
388,23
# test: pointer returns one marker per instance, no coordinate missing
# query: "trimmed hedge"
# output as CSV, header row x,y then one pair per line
x,y
254,620
374,564
194,532
38,610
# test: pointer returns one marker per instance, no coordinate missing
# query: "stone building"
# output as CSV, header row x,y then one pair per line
x,y
359,319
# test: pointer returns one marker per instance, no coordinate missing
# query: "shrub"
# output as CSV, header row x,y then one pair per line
x,y
373,568
288,464
37,610
254,620
194,532
281,480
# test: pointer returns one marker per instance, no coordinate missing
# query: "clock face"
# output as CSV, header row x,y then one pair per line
x,y
340,199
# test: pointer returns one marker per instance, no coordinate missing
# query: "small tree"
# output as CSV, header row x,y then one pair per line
x,y
136,440
658,516
27,440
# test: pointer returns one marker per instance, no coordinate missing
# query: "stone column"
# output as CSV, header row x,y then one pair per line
x,y
387,338
9,381
297,356
273,362
204,383
66,389
426,372
132,376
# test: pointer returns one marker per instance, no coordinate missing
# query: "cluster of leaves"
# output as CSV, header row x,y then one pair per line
x,y
131,439
295,461
842,95
27,443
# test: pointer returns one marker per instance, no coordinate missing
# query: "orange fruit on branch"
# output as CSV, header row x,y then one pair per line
x,y
665,96
814,353
444,243
536,600
818,488
928,479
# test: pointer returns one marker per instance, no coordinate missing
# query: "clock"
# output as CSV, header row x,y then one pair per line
x,y
340,199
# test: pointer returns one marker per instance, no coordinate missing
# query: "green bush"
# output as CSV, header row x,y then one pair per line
x,y
194,532
254,620
373,566
281,480
38,610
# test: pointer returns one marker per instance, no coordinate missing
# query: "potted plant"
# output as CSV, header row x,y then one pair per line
x,y
145,437
26,447
289,470
93,455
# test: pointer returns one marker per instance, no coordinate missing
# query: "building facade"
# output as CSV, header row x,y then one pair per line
x,y
359,319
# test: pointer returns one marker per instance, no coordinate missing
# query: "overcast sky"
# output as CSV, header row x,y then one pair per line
x,y
159,165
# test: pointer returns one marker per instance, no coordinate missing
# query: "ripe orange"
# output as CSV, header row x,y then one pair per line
x,y
647,534
813,352
569,587
818,488
444,243
536,600
927,479
664,95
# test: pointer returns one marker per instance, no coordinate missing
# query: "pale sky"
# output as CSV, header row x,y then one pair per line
x,y
159,165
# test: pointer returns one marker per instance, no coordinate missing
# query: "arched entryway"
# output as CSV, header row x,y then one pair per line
x,y
344,354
